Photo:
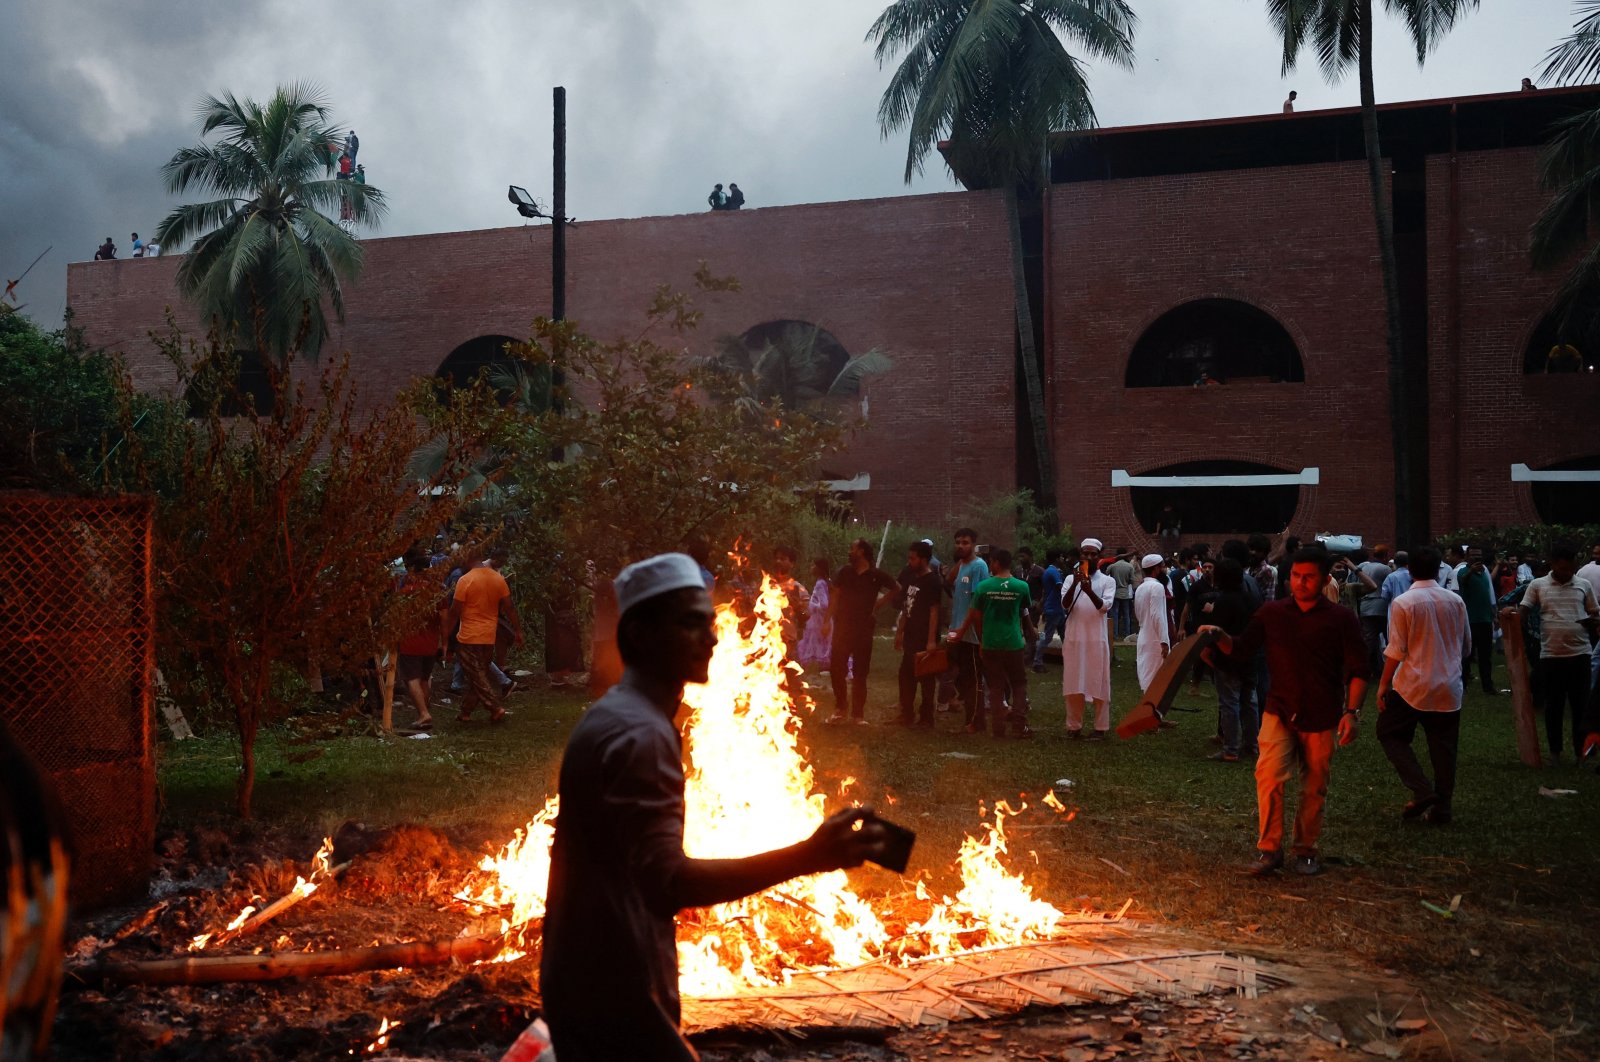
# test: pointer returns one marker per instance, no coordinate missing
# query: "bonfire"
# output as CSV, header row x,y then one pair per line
x,y
749,788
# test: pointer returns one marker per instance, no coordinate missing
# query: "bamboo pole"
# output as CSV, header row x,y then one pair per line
x,y
275,908
214,969
1522,715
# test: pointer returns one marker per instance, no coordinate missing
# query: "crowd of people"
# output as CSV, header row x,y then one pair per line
x,y
1300,634
107,251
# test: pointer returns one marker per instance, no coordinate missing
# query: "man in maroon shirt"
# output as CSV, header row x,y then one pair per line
x,y
1318,668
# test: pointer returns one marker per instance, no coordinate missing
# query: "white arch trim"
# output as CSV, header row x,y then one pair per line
x,y
1311,476
1523,474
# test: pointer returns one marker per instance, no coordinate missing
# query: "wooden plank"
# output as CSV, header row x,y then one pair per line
x,y
1522,716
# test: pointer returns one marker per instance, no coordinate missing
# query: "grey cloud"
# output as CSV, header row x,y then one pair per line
x,y
453,102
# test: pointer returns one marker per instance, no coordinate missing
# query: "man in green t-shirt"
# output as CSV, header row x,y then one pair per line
x,y
997,606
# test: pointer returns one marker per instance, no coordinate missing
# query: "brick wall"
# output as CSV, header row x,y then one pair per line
x,y
1484,304
1298,243
925,278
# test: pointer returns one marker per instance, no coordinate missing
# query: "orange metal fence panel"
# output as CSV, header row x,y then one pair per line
x,y
77,661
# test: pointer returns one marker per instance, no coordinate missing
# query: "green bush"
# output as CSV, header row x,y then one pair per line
x,y
1526,539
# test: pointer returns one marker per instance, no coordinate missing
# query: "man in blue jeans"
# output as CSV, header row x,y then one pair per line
x,y
1230,608
1122,571
1055,617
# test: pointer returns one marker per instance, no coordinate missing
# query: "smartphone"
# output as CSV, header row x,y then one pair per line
x,y
897,853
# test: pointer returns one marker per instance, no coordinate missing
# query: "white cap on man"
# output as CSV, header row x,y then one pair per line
x,y
655,576
1091,543
1152,560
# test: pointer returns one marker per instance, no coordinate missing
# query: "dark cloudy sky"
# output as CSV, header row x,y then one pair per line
x,y
452,101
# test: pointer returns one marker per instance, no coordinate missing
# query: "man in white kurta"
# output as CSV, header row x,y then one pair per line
x,y
1151,612
1086,597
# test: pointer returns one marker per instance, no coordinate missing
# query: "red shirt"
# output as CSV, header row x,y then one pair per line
x,y
1312,654
425,640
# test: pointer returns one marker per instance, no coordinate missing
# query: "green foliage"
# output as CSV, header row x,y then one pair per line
x,y
1569,168
264,253
1332,28
63,416
274,545
791,372
1576,59
1526,539
634,459
993,80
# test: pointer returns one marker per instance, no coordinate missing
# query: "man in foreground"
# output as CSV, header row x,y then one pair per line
x,y
618,872
1318,667
1421,686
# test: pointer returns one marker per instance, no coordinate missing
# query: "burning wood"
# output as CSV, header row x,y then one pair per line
x,y
748,788
250,919
213,969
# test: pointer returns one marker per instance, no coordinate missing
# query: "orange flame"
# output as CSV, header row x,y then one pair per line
x,y
748,789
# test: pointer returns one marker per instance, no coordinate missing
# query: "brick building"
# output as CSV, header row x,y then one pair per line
x,y
1240,251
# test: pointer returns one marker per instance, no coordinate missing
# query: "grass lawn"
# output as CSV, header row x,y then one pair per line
x,y
1157,822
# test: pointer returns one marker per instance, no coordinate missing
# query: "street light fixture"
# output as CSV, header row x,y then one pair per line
x,y
525,204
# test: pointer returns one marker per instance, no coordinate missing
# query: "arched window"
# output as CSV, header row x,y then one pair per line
x,y
1214,340
1574,501
795,361
251,389
471,360
1217,508
1548,351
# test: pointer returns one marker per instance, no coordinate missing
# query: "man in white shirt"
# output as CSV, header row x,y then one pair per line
x,y
1086,598
1421,686
1567,616
1150,610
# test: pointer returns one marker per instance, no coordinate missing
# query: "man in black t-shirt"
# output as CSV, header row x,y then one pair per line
x,y
858,592
921,591
1230,608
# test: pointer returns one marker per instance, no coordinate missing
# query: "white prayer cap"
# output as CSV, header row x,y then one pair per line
x,y
928,541
658,575
1091,543
1151,560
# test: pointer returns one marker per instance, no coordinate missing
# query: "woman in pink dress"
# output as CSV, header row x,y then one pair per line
x,y
816,642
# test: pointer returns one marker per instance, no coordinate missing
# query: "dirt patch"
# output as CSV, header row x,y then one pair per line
x,y
398,887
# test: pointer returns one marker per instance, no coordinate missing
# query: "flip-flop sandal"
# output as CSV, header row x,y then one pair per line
x,y
498,715
422,724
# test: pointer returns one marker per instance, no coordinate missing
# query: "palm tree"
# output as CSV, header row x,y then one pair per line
x,y
1341,31
264,254
1569,166
792,369
994,79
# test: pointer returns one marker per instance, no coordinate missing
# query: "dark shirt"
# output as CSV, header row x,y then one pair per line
x,y
609,972
1230,610
1311,655
1033,575
1050,589
854,594
920,596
